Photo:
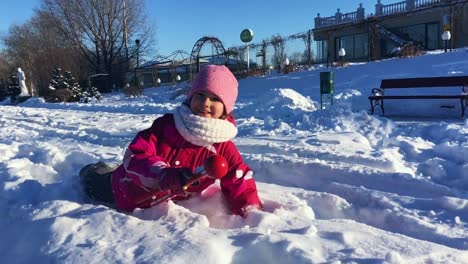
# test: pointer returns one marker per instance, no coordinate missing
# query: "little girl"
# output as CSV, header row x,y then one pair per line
x,y
162,158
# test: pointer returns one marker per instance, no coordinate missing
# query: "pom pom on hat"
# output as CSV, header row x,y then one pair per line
x,y
218,80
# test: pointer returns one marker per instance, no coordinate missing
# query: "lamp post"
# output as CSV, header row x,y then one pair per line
x,y
178,79
446,37
286,63
137,43
341,53
246,36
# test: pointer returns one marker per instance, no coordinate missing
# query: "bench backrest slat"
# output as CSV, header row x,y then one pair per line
x,y
425,82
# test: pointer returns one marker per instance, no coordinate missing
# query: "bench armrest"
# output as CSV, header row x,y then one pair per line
x,y
377,92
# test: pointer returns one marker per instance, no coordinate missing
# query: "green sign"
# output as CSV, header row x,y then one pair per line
x,y
246,35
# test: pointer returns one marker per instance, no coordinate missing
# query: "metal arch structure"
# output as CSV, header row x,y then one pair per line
x,y
177,64
195,55
177,57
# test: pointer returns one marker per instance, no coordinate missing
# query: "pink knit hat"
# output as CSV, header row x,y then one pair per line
x,y
220,81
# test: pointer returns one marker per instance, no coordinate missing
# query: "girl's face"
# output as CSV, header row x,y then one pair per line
x,y
206,104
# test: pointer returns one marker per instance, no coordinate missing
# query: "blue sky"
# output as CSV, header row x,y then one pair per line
x,y
180,23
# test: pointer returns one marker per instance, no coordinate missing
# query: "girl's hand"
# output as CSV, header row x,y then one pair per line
x,y
173,179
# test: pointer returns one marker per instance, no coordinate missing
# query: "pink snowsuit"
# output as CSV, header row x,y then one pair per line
x,y
162,143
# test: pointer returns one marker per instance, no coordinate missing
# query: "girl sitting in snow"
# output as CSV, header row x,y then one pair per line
x,y
162,158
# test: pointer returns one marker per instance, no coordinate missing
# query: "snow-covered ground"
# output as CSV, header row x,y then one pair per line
x,y
338,185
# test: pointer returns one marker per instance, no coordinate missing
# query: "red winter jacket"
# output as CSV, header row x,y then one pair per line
x,y
162,143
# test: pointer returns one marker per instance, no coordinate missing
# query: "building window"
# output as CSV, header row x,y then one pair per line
x,y
425,35
356,47
416,33
361,47
322,51
432,37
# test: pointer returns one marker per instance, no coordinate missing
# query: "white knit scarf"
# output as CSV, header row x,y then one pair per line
x,y
202,131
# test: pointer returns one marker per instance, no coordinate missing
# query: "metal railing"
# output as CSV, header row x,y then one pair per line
x,y
327,21
394,8
352,16
424,3
336,19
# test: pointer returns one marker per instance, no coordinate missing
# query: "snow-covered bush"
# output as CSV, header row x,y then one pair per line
x,y
89,93
61,87
64,88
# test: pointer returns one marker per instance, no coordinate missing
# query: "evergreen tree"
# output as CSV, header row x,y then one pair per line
x,y
57,81
13,87
89,93
3,90
73,86
59,88
64,88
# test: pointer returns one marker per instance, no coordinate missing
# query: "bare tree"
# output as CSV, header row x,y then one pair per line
x,y
308,47
5,69
100,29
6,65
278,44
18,47
37,47
263,52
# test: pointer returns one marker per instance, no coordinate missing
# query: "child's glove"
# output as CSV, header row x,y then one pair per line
x,y
173,179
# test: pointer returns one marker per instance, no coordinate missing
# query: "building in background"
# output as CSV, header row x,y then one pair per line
x,y
398,29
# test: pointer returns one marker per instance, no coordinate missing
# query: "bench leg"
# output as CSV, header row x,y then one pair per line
x,y
371,107
374,103
464,104
381,107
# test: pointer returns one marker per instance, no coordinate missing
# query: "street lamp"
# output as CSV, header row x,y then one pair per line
x,y
341,53
446,37
137,43
286,63
178,79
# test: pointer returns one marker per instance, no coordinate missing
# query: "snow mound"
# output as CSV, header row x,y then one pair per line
x,y
282,102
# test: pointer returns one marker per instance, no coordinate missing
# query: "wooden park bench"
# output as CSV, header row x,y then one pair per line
x,y
378,94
